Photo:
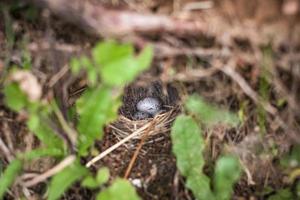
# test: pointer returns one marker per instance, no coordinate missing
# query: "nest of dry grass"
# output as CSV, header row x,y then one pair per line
x,y
129,131
160,124
125,125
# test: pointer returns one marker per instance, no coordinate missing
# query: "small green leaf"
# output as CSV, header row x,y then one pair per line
x,y
96,107
33,122
109,51
208,114
37,153
283,194
145,58
101,178
102,175
117,63
90,182
119,72
75,65
227,172
14,97
119,190
9,175
64,179
188,146
92,74
41,129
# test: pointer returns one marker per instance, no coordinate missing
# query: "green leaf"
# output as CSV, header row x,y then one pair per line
x,y
90,182
119,190
75,65
92,74
101,178
117,63
102,175
9,175
96,107
37,153
14,97
41,129
109,51
227,172
188,146
283,194
64,179
145,58
208,114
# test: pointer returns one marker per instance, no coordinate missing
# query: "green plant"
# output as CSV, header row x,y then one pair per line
x,y
7,178
189,145
109,69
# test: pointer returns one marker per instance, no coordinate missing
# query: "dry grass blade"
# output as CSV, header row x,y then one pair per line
x,y
6,151
115,146
42,177
134,157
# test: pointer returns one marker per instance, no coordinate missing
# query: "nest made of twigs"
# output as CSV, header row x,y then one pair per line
x,y
126,125
160,124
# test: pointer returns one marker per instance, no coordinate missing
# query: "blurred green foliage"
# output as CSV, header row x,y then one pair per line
x,y
189,145
119,190
111,66
9,175
209,114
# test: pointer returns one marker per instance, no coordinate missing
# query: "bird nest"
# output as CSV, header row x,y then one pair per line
x,y
127,126
160,124
129,131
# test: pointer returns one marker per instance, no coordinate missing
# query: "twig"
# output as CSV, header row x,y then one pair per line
x,y
192,75
8,135
228,70
72,134
63,164
163,50
45,46
115,146
97,20
58,75
28,176
248,173
198,5
6,151
134,157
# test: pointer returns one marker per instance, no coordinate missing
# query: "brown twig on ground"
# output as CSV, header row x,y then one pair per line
x,y
6,151
42,177
193,75
162,50
45,46
97,20
138,149
228,70
115,146
54,79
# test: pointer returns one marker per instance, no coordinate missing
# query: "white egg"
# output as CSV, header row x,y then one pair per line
x,y
149,105
141,115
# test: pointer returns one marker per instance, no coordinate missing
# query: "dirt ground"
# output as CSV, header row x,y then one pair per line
x,y
246,59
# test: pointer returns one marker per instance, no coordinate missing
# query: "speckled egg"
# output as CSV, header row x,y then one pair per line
x,y
141,115
149,105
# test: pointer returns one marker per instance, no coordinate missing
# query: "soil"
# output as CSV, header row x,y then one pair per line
x,y
265,34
